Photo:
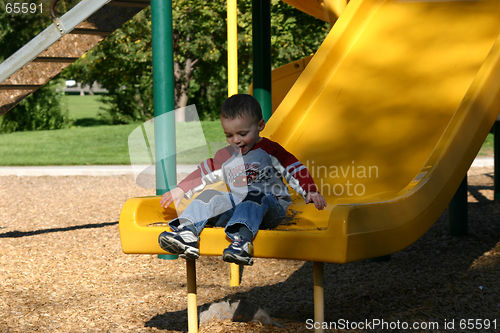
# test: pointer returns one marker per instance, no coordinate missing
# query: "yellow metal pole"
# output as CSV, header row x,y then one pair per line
x,y
192,303
319,297
234,278
232,48
232,88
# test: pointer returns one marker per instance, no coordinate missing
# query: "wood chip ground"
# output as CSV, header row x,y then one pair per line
x,y
62,270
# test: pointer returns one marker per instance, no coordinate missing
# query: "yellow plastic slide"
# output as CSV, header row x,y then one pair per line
x,y
388,116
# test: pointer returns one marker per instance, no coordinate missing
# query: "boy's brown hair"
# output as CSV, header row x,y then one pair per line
x,y
239,105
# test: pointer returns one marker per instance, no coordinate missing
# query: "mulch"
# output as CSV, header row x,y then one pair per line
x,y
62,270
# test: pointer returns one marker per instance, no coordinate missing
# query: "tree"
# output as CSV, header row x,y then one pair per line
x,y
16,29
294,35
199,51
123,63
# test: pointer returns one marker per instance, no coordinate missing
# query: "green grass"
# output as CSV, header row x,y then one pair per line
x,y
487,148
92,142
96,145
75,146
85,110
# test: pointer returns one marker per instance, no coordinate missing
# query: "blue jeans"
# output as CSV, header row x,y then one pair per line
x,y
256,210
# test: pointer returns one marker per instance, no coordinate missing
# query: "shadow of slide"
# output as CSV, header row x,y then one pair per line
x,y
438,278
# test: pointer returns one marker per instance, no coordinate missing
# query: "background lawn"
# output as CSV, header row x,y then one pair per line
x,y
487,148
85,110
92,142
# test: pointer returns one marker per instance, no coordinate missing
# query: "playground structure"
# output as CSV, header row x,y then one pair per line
x,y
401,113
388,115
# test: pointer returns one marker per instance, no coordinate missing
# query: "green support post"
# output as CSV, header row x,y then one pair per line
x,y
261,31
496,159
164,102
457,211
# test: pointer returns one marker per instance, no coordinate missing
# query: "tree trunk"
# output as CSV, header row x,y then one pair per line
x,y
182,78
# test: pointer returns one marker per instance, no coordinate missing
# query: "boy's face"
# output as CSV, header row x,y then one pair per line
x,y
242,133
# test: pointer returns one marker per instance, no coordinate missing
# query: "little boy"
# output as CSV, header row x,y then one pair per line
x,y
253,167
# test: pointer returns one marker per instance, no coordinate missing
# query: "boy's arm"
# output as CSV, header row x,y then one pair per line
x,y
175,195
317,199
296,175
299,178
294,172
208,172
192,183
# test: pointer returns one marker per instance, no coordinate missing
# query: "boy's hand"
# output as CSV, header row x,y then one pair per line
x,y
317,198
175,195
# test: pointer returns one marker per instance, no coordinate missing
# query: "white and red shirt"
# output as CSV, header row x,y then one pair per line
x,y
262,169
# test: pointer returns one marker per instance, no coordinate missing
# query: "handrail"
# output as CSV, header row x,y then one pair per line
x,y
52,9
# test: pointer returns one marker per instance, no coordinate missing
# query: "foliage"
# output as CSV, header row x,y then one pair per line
x,y
203,27
200,46
18,29
42,110
123,63
294,34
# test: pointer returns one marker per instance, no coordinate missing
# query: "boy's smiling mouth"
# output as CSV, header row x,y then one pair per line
x,y
241,148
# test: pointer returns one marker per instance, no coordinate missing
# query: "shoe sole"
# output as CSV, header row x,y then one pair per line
x,y
235,259
174,246
191,253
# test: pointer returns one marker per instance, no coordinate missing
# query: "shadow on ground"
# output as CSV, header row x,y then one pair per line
x,y
477,190
18,234
437,278
89,122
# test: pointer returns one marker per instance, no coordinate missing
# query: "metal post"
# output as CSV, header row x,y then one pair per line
x,y
232,88
164,102
457,211
234,275
319,296
164,98
496,158
192,301
261,26
232,48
